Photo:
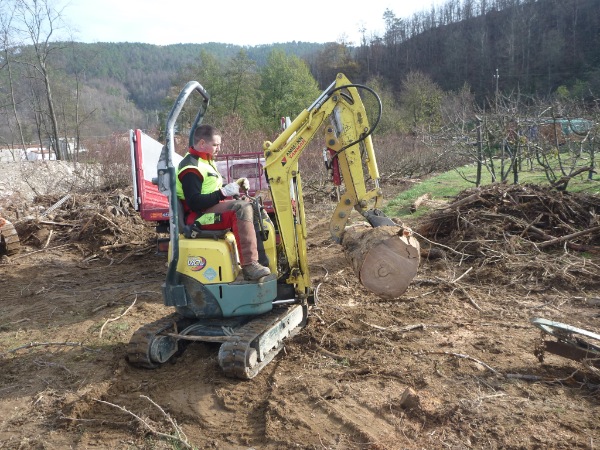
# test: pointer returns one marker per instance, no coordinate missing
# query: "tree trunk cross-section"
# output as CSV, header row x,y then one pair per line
x,y
385,259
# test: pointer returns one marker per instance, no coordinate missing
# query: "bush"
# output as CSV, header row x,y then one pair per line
x,y
112,160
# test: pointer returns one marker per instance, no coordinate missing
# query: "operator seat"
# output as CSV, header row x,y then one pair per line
x,y
192,231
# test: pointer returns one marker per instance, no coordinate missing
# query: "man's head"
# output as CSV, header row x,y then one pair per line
x,y
207,139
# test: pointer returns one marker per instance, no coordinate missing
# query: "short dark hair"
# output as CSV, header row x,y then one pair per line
x,y
206,132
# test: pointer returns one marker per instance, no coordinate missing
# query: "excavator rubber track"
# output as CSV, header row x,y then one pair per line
x,y
256,343
140,344
9,239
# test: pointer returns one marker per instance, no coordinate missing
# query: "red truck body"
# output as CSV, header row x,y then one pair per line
x,y
154,206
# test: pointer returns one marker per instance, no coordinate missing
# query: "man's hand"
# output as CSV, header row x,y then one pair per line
x,y
231,189
244,184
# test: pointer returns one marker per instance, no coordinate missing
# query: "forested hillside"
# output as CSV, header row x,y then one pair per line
x,y
477,49
536,46
146,71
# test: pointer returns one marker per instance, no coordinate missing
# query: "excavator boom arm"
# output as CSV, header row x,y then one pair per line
x,y
339,110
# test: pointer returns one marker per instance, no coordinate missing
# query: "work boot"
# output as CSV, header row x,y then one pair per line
x,y
254,271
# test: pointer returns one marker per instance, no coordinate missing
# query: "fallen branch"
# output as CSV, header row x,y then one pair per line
x,y
526,377
117,318
46,344
471,301
58,224
535,378
456,252
395,328
48,240
87,224
110,222
42,250
418,326
473,198
460,355
112,246
179,436
567,237
466,272
335,356
13,323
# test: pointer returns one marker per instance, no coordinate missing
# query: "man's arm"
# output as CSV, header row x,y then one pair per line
x,y
191,181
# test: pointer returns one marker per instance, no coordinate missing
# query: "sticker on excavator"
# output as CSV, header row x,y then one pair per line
x,y
196,263
210,274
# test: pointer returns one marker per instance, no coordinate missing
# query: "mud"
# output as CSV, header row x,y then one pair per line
x,y
430,370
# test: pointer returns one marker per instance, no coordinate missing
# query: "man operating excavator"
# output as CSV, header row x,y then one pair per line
x,y
200,188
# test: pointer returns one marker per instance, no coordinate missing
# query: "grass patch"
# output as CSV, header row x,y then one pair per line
x,y
447,185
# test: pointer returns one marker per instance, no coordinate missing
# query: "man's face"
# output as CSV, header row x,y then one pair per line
x,y
211,147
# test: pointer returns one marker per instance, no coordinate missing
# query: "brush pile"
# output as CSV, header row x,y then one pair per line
x,y
94,222
526,228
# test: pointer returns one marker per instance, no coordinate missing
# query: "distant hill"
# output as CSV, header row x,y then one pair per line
x,y
146,71
533,47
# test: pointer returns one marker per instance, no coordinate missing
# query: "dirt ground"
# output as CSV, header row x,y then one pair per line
x,y
449,365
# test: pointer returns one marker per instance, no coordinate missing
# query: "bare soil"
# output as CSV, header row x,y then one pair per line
x,y
427,371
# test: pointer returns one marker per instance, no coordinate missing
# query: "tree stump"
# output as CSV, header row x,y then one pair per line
x,y
385,259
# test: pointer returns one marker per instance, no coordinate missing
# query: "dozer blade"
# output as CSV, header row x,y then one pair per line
x,y
572,342
575,351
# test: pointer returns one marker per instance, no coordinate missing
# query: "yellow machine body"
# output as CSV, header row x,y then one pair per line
x,y
213,261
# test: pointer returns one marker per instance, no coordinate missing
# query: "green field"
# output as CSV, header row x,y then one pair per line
x,y
448,184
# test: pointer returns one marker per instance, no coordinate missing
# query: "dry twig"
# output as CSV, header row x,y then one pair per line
x,y
46,344
42,250
456,252
117,318
179,436
460,355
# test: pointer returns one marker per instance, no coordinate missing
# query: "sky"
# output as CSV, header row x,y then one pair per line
x,y
239,22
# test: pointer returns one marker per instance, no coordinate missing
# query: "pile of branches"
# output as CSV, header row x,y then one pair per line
x,y
530,228
99,221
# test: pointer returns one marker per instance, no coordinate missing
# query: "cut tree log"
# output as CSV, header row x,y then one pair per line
x,y
9,239
385,259
418,202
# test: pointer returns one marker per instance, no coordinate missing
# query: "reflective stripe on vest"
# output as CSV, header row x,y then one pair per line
x,y
211,178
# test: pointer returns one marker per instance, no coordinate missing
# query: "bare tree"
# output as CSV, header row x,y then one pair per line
x,y
6,30
38,23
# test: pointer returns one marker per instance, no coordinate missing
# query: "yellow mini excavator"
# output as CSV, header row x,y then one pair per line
x,y
213,303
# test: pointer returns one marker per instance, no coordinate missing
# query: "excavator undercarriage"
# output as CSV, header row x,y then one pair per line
x,y
247,343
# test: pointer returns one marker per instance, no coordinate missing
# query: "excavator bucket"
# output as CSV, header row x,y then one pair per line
x,y
9,239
